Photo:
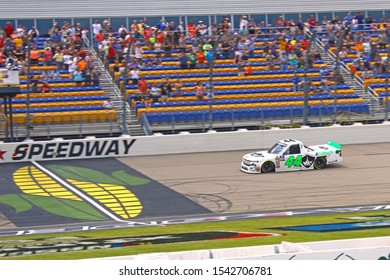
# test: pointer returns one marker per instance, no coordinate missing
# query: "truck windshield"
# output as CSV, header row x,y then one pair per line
x,y
276,149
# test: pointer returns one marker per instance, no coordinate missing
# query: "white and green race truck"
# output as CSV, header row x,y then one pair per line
x,y
291,155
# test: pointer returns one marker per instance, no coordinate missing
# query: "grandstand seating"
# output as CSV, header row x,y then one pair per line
x,y
265,93
264,88
250,113
272,88
65,103
375,81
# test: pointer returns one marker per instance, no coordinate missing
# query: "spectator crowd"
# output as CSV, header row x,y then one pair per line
x,y
285,47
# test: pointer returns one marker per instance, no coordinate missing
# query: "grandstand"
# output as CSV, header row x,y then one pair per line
x,y
246,84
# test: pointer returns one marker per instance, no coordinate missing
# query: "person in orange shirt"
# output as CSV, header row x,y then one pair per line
x,y
160,37
191,29
282,45
34,56
82,66
359,48
201,59
248,70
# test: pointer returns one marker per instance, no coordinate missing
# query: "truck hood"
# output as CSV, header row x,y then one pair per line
x,y
258,156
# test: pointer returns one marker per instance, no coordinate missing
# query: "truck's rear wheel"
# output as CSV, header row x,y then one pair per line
x,y
320,163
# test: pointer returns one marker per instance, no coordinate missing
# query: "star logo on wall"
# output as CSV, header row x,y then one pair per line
x,y
2,154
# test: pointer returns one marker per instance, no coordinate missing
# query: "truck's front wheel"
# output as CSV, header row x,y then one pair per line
x,y
267,167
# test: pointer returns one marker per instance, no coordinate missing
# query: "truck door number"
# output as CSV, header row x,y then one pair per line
x,y
294,161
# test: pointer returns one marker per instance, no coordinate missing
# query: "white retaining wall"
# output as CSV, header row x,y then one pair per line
x,y
59,149
351,249
248,140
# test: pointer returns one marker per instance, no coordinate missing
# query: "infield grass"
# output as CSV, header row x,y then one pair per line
x,y
252,225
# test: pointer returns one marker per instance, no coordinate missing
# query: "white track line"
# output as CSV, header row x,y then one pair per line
x,y
76,191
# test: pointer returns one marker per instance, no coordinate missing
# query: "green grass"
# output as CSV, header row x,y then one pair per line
x,y
253,225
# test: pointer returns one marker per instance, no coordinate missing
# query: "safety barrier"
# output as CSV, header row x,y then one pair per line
x,y
90,147
352,249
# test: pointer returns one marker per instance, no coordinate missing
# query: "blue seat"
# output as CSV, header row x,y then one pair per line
x,y
152,118
314,111
269,113
165,118
253,113
201,116
217,115
180,117
297,111
240,114
227,114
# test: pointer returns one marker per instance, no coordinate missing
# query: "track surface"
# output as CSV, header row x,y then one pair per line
x,y
215,181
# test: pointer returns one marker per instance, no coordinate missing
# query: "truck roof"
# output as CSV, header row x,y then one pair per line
x,y
290,141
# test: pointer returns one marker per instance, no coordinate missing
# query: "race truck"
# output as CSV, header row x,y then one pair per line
x,y
291,155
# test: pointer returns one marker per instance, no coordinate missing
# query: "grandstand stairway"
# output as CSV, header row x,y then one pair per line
x,y
3,126
113,92
329,58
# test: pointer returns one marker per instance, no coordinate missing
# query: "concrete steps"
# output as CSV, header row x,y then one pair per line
x,y
354,83
113,92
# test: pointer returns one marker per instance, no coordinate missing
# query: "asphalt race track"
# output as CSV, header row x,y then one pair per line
x,y
215,181
189,184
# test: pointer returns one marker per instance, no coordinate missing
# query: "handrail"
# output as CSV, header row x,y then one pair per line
x,y
3,124
117,102
346,69
146,125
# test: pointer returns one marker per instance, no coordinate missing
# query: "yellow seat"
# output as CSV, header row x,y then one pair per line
x,y
66,117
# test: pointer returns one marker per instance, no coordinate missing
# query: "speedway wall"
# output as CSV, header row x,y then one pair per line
x,y
90,147
377,248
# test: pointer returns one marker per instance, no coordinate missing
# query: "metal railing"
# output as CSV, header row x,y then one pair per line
x,y
146,125
118,97
78,125
231,119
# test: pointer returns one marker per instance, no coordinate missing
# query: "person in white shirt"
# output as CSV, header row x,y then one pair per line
x,y
20,30
96,27
139,55
72,68
201,28
366,46
33,32
243,25
71,31
107,104
68,59
84,33
122,29
135,75
180,28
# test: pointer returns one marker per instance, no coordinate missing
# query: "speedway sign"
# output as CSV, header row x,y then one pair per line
x,y
65,149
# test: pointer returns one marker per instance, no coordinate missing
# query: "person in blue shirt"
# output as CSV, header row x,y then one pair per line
x,y
78,77
296,81
348,18
360,20
183,59
56,37
366,60
209,57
